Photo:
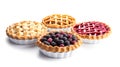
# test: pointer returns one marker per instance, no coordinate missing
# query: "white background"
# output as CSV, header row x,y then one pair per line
x,y
106,53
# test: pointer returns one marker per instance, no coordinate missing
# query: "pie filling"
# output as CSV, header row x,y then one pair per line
x,y
91,28
60,39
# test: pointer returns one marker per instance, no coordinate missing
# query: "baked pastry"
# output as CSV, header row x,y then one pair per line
x,y
58,44
25,32
92,31
59,22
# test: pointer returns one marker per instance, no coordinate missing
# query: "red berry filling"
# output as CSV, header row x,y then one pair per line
x,y
91,28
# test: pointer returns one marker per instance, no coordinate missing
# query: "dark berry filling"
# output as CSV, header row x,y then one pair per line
x,y
60,39
91,28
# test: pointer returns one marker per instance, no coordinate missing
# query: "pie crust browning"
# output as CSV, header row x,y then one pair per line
x,y
58,21
94,37
25,30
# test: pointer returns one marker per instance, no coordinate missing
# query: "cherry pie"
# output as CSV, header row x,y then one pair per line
x,y
92,30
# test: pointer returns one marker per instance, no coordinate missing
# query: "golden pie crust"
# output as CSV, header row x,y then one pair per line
x,y
58,21
93,37
25,30
50,48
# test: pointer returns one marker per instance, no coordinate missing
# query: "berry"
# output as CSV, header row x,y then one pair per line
x,y
47,36
56,39
58,35
61,45
73,42
43,39
53,36
60,42
65,35
67,43
70,39
46,42
61,36
53,43
49,39
69,36
64,38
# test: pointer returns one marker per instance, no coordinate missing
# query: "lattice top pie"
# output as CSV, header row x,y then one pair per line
x,y
25,30
92,30
58,21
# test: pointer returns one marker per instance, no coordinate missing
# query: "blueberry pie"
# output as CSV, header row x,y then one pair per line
x,y
58,44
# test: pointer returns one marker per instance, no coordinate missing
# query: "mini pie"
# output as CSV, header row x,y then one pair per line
x,y
92,30
58,21
25,30
58,42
